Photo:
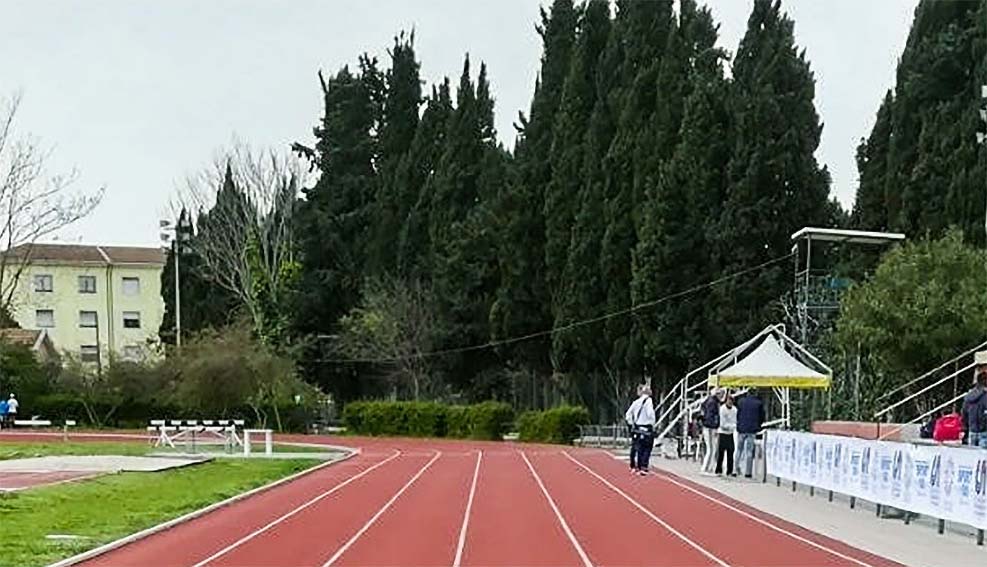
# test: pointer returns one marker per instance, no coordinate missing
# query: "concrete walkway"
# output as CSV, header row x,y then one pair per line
x,y
915,545
98,463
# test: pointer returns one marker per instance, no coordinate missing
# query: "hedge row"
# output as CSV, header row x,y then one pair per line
x,y
488,420
557,425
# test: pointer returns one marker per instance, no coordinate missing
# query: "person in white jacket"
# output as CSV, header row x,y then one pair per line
x,y
728,426
641,419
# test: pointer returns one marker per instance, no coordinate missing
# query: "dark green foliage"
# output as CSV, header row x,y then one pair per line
x,y
774,185
558,425
523,298
921,169
488,420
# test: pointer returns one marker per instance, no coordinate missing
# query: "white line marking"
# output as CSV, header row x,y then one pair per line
x,y
647,512
339,553
295,511
466,516
558,514
767,523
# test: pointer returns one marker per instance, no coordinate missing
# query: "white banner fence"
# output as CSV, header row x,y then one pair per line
x,y
948,483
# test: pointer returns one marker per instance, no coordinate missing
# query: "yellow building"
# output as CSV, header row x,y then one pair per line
x,y
93,301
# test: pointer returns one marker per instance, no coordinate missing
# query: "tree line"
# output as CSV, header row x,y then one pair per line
x,y
427,260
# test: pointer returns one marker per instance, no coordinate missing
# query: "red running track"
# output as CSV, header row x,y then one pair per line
x,y
453,503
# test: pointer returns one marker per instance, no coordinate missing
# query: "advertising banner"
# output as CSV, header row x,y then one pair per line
x,y
938,481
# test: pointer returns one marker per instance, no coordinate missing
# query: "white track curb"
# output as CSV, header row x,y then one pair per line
x,y
92,553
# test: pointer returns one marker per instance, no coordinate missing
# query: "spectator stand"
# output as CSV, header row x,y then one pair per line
x,y
195,433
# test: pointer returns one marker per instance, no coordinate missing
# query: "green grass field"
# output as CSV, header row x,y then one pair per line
x,y
110,507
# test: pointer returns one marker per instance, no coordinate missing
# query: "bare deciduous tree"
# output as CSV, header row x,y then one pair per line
x,y
396,327
245,201
34,202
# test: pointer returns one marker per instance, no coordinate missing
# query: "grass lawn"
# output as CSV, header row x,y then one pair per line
x,y
18,450
111,507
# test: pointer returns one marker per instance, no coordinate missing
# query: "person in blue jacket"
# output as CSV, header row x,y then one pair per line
x,y
3,412
750,419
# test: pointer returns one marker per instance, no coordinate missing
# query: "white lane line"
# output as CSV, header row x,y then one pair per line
x,y
648,513
558,514
339,553
295,511
466,516
767,524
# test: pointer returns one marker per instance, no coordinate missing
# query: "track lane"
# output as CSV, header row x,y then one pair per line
x,y
729,534
317,532
190,542
597,514
512,523
422,528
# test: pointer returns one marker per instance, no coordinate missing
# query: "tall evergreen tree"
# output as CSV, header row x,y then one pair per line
x,y
333,218
470,172
581,136
641,33
414,178
775,185
396,132
683,191
523,303
932,175
870,210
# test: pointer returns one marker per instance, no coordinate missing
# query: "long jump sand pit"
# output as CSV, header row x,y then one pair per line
x,y
21,474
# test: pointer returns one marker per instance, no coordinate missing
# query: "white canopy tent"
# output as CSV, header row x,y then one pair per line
x,y
771,359
769,366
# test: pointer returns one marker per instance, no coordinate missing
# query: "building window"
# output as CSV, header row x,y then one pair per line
x,y
87,284
44,318
44,283
131,286
131,320
132,353
89,353
87,319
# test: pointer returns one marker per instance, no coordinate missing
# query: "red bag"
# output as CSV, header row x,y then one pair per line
x,y
948,428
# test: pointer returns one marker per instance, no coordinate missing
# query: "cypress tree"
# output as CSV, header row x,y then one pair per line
x,y
414,178
333,218
683,191
531,212
870,210
775,185
396,132
641,32
470,172
582,135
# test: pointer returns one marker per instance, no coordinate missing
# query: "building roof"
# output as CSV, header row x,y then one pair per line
x,y
851,236
88,254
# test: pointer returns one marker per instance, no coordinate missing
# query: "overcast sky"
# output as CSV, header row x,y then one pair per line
x,y
136,95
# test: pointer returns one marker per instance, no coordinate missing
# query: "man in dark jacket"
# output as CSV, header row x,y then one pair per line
x,y
750,418
975,411
711,423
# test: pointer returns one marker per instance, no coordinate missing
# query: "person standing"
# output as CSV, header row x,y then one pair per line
x,y
630,430
750,419
975,410
711,424
728,426
641,417
3,413
12,405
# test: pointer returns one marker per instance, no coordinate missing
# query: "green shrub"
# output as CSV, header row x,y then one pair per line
x,y
489,420
558,425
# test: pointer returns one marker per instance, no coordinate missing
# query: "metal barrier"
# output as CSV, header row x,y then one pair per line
x,y
603,436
